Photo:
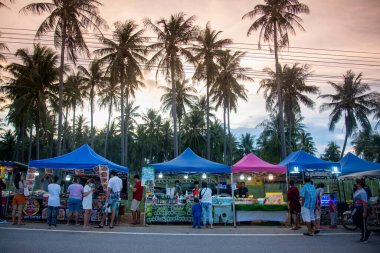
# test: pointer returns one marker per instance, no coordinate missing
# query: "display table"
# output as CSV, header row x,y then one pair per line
x,y
257,212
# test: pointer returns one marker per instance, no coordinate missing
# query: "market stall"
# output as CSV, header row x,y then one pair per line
x,y
83,163
266,205
163,206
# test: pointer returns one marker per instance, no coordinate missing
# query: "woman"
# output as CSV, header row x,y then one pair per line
x,y
18,199
206,198
54,202
87,201
75,200
360,212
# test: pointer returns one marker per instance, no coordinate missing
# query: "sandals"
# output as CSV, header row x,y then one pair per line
x,y
99,226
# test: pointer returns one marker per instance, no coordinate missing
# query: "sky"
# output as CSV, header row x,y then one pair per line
x,y
340,35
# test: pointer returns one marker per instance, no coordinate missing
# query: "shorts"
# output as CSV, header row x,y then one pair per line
x,y
317,214
135,205
307,214
19,200
74,205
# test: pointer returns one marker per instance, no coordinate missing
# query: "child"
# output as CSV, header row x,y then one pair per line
x,y
197,213
333,212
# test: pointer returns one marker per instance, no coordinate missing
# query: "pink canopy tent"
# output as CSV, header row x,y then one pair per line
x,y
251,163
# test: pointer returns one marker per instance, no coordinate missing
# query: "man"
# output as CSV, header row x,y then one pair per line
x,y
318,208
2,217
54,202
196,190
137,190
242,191
46,180
115,185
308,202
293,197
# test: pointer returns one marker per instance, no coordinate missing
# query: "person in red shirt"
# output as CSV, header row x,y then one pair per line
x,y
196,190
293,197
333,212
137,190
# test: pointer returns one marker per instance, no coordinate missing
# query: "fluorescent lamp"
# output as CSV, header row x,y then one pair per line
x,y
242,177
67,178
160,175
249,178
204,176
270,177
186,177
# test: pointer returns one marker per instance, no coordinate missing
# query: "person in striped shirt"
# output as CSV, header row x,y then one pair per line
x,y
308,203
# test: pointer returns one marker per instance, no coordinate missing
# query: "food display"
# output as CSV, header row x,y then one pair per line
x,y
103,173
49,171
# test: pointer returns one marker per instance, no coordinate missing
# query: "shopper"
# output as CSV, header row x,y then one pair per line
x,y
74,203
2,187
18,199
308,203
196,190
196,211
206,200
54,202
333,212
87,201
318,207
242,191
138,191
115,185
360,213
98,189
293,197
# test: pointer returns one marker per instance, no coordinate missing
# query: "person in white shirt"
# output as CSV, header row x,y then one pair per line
x,y
205,196
115,185
87,201
54,202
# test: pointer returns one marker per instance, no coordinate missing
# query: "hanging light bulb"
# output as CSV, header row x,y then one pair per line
x,y
67,178
37,173
249,178
186,177
270,177
204,176
242,177
160,175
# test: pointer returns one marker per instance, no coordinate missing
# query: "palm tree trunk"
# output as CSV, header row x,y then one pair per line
x,y
64,140
37,141
60,100
108,128
208,118
345,139
174,107
279,94
30,142
229,133
126,127
122,86
92,114
290,132
224,136
73,131
23,141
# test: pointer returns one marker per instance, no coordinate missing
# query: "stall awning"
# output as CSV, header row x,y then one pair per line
x,y
301,160
252,163
189,162
350,163
81,158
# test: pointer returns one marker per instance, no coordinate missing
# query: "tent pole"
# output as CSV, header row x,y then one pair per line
x,y
233,200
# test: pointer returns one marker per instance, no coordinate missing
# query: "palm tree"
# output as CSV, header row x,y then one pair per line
x,y
306,143
69,19
93,77
193,131
124,56
3,47
294,92
367,144
276,19
227,89
376,116
173,36
33,85
209,48
109,96
152,122
332,152
352,102
185,98
246,143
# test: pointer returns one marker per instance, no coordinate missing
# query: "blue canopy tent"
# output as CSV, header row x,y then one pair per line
x,y
190,163
350,163
81,158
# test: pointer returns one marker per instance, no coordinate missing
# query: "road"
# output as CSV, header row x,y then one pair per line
x,y
165,239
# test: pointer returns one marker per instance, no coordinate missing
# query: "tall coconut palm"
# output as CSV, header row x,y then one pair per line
x,y
277,18
3,47
124,55
173,36
109,96
69,20
246,143
33,86
351,101
185,98
227,89
294,92
376,116
93,77
208,48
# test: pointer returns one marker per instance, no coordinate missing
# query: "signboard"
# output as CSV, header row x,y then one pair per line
x,y
156,213
147,179
223,214
318,173
256,181
274,198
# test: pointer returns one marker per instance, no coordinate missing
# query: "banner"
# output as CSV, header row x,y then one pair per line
x,y
256,181
168,213
147,179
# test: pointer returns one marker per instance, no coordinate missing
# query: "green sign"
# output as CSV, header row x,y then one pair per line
x,y
168,213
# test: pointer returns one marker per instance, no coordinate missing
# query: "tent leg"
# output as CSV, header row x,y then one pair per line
x,y
233,200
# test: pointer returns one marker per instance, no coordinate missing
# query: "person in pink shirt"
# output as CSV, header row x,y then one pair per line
x,y
74,203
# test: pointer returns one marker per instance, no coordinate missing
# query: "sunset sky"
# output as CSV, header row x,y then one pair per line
x,y
349,25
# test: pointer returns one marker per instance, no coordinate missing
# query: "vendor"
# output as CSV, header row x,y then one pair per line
x,y
242,191
177,189
98,188
196,190
46,180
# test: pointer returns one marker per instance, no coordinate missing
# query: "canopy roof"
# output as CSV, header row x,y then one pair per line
x,y
189,162
304,161
81,158
371,173
350,163
252,163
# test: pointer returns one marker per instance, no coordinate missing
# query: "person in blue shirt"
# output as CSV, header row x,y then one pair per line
x,y
360,216
308,203
197,213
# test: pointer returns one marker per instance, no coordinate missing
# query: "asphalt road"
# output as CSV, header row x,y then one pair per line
x,y
165,239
